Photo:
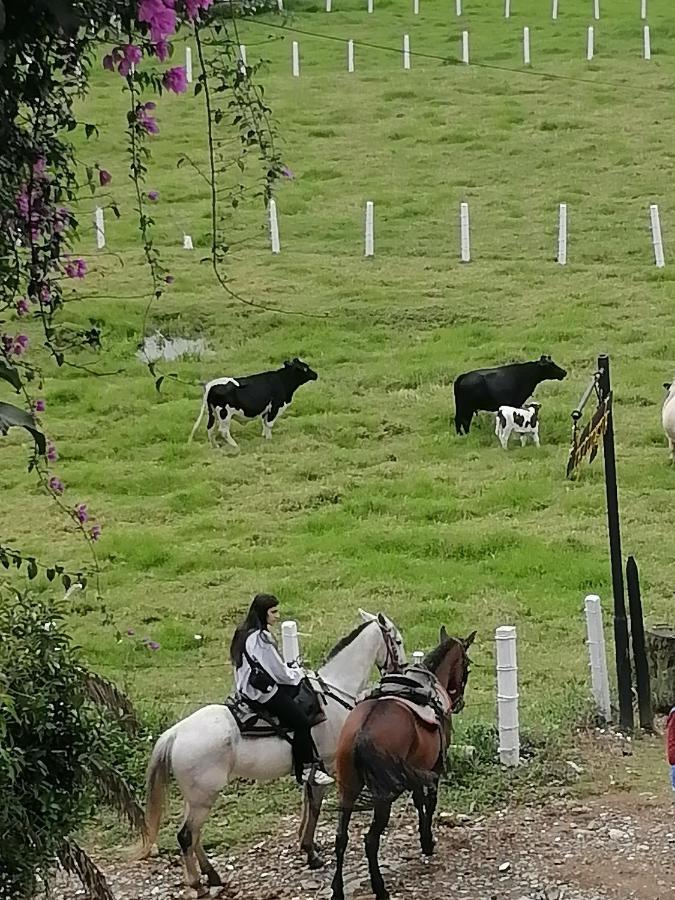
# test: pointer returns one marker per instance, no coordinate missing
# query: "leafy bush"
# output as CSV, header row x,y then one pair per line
x,y
55,766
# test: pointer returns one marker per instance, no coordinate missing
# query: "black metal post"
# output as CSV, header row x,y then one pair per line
x,y
637,639
623,674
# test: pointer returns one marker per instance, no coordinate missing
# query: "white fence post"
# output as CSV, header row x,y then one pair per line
x,y
647,43
458,7
370,6
274,227
370,229
350,56
416,7
507,695
589,44
598,658
406,51
596,9
188,65
187,242
280,5
329,5
554,11
507,9
526,46
417,657
289,641
465,47
464,234
643,9
242,56
657,240
296,59
99,226
562,234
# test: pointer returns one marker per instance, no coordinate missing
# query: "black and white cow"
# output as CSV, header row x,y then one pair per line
x,y
524,422
266,394
489,389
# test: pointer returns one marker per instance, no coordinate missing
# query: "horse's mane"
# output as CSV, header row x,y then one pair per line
x,y
433,659
345,642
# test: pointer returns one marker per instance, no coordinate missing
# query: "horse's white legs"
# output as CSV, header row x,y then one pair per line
x,y
311,810
189,839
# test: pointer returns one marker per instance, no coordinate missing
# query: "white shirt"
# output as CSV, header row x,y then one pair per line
x,y
260,646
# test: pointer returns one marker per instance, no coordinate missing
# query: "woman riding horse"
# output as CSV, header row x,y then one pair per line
x,y
387,748
264,679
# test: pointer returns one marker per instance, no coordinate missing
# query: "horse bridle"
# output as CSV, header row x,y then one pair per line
x,y
457,695
391,663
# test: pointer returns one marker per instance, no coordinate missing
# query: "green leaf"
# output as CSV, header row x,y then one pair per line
x,y
10,374
66,581
51,573
158,383
13,416
32,568
90,129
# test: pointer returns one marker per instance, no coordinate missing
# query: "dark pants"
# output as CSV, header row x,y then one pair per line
x,y
283,705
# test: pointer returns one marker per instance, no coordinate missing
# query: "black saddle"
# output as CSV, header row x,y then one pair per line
x,y
416,684
254,720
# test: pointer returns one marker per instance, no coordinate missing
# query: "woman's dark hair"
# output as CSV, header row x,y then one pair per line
x,y
256,620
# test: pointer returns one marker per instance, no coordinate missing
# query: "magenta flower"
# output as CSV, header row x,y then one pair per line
x,y
95,532
45,294
153,196
153,645
169,279
81,513
161,49
23,204
286,172
109,62
132,53
39,166
104,177
130,631
22,307
192,7
76,268
39,405
55,485
175,80
160,16
150,105
52,454
20,344
146,122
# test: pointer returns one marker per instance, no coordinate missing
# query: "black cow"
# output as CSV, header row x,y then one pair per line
x,y
266,394
489,389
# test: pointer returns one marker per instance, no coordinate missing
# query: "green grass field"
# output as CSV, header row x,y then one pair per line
x,y
365,497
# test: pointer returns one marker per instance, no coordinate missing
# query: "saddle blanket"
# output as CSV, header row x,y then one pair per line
x,y
424,713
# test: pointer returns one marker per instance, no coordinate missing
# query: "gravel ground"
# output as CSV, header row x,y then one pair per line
x,y
616,847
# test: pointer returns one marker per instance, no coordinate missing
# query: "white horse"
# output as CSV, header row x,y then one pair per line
x,y
206,751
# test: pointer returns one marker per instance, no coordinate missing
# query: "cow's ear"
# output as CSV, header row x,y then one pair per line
x,y
366,616
468,641
667,385
287,363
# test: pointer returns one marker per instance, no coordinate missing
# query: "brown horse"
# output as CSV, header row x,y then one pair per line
x,y
386,748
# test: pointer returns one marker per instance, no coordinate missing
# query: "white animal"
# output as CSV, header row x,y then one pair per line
x,y
524,422
668,418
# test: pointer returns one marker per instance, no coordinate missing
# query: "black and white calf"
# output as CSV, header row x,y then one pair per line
x,y
266,394
524,422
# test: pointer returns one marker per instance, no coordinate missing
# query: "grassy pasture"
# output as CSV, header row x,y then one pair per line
x,y
365,496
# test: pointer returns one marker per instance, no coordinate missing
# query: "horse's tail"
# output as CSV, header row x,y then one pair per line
x,y
386,776
157,783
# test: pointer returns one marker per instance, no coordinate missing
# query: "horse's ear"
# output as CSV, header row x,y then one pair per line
x,y
366,616
381,619
468,641
443,635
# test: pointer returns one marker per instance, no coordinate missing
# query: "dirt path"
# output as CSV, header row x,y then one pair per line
x,y
615,847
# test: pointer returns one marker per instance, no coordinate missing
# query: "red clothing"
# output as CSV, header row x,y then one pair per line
x,y
670,737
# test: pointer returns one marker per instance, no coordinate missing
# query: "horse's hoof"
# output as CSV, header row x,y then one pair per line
x,y
214,879
314,861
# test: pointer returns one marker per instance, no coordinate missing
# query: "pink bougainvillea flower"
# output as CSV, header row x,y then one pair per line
x,y
52,454
153,196
160,16
175,80
150,105
146,122
39,405
109,62
56,485
132,53
162,50
286,172
153,645
39,166
22,307
20,344
193,7
104,177
95,532
81,513
76,268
